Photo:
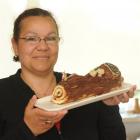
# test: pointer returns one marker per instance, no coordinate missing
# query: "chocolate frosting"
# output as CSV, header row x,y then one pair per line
x,y
100,80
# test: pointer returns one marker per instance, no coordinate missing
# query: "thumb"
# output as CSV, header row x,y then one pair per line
x,y
31,102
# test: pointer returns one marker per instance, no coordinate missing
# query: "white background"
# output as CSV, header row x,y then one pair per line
x,y
92,31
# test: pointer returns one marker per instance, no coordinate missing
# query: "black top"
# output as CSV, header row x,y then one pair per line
x,y
95,121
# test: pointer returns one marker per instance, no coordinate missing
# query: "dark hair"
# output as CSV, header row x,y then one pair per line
x,y
28,13
25,14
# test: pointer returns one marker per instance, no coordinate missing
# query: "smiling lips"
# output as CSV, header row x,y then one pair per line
x,y
43,57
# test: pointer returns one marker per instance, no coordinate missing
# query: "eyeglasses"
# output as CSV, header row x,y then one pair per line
x,y
35,40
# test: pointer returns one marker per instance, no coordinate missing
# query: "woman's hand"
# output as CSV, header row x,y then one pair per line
x,y
120,98
38,120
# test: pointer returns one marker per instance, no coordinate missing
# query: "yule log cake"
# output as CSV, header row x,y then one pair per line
x,y
103,79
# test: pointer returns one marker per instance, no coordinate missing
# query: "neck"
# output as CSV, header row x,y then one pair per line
x,y
41,85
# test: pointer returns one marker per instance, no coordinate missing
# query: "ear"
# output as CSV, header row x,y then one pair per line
x,y
14,46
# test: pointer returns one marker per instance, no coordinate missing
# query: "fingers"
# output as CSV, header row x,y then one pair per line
x,y
31,103
46,114
112,101
123,98
48,124
38,120
131,91
60,116
53,116
116,101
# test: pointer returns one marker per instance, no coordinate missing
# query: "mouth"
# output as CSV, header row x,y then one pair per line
x,y
41,57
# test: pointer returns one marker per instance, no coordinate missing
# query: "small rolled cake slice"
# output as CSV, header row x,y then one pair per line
x,y
100,80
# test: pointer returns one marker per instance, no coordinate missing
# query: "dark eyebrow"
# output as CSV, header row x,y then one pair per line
x,y
36,34
30,33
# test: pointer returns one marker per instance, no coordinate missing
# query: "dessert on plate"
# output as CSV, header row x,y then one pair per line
x,y
102,79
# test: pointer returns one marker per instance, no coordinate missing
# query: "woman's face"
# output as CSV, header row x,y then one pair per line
x,y
37,46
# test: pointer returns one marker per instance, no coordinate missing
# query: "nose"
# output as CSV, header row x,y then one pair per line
x,y
42,46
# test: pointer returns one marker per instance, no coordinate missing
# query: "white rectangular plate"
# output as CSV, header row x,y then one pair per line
x,y
46,104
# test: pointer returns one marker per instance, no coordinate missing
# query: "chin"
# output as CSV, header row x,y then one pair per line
x,y
43,69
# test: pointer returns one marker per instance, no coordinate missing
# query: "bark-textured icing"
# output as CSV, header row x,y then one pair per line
x,y
100,80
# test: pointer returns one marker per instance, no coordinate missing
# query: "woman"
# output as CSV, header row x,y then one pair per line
x,y
35,44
